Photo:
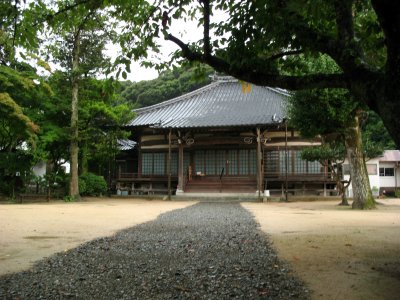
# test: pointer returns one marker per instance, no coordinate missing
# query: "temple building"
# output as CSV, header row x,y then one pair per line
x,y
227,137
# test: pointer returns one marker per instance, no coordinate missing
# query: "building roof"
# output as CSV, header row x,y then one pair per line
x,y
224,103
125,145
390,155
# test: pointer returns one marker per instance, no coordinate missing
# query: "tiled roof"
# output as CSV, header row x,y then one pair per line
x,y
125,145
390,155
220,104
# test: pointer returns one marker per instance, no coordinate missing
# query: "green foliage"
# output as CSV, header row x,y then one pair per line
x,y
82,185
257,41
375,136
53,140
15,171
270,42
102,114
15,126
19,99
93,185
329,113
321,111
327,152
168,85
69,198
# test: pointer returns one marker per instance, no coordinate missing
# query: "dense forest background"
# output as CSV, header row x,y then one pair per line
x,y
35,125
170,84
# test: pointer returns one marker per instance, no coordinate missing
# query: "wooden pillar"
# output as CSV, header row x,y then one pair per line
x,y
286,161
259,169
140,158
169,164
324,189
180,168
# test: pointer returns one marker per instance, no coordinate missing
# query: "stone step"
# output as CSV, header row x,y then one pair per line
x,y
219,197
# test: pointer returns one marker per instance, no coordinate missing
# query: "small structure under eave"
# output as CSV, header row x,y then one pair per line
x,y
227,137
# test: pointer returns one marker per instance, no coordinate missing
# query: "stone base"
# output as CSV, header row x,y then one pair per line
x,y
179,192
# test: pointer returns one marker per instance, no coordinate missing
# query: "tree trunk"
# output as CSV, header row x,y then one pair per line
x,y
338,176
344,196
344,202
362,195
342,191
73,186
388,107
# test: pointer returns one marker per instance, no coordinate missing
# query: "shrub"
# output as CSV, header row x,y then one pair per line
x,y
82,185
93,185
69,198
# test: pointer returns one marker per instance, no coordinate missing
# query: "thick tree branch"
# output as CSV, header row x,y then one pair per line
x,y
315,40
286,53
49,17
206,34
388,13
15,23
351,57
261,76
343,49
344,21
65,9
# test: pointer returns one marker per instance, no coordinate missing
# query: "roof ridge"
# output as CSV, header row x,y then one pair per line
x,y
201,90
216,104
278,90
179,98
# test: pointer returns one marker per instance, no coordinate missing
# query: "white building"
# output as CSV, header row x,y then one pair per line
x,y
383,171
40,168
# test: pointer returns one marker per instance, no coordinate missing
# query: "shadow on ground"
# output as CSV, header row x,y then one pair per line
x,y
205,251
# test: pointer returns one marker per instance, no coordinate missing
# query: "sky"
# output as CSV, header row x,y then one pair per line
x,y
187,31
139,73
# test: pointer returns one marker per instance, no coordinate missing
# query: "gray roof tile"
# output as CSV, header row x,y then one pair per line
x,y
219,104
125,144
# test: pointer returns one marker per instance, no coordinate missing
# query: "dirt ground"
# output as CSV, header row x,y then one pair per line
x,y
30,232
338,252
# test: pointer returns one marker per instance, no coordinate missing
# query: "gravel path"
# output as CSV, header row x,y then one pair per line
x,y
206,251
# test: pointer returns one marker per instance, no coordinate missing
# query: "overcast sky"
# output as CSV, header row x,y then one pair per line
x,y
187,31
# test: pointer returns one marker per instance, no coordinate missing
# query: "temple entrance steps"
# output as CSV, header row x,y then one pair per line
x,y
227,184
218,197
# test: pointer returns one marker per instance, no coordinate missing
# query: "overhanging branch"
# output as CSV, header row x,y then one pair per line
x,y
286,53
261,76
15,22
206,34
49,17
388,12
344,20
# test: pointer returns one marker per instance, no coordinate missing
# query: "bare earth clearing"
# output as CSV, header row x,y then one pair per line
x,y
338,252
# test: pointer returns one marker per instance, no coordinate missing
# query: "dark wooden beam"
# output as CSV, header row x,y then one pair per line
x,y
169,164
